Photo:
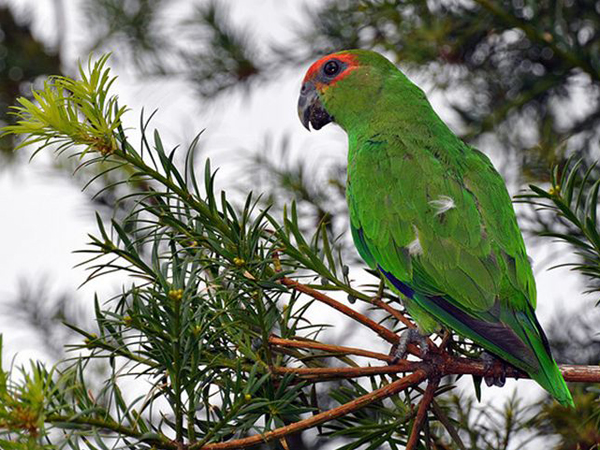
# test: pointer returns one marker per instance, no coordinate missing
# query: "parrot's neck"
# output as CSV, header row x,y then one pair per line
x,y
416,129
374,108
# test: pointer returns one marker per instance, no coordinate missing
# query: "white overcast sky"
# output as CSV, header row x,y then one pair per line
x,y
44,217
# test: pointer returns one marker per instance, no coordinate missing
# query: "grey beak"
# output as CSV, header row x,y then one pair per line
x,y
310,108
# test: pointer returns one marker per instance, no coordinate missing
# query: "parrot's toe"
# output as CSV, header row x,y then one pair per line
x,y
410,336
489,361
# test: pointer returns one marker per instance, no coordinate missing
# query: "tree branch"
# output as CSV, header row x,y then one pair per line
x,y
392,312
326,416
329,348
444,365
382,331
413,440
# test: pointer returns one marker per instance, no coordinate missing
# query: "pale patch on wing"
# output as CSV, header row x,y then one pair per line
x,y
415,248
442,204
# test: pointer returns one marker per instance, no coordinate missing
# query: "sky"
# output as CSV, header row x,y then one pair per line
x,y
45,217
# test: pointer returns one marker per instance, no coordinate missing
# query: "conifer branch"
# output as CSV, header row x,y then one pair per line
x,y
326,416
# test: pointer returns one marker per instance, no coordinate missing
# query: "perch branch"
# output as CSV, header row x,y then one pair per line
x,y
438,364
442,365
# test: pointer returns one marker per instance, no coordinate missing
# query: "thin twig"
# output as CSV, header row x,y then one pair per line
x,y
382,331
445,340
327,373
413,440
392,312
326,416
329,348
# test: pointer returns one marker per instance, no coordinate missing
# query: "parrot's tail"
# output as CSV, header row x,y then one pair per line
x,y
513,335
548,375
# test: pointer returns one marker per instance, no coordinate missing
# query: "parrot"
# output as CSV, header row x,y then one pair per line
x,y
430,212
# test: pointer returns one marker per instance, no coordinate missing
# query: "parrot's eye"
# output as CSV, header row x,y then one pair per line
x,y
331,68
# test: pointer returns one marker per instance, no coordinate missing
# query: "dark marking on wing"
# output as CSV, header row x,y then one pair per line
x,y
493,331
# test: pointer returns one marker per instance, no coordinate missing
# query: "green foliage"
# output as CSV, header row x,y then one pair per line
x,y
578,429
132,27
206,293
23,405
573,200
511,68
317,187
194,325
227,60
70,113
493,427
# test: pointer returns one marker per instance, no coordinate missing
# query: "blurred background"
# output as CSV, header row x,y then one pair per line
x,y
518,79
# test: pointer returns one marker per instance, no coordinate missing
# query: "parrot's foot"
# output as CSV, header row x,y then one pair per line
x,y
489,361
410,336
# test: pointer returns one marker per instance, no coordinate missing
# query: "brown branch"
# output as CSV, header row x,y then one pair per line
x,y
328,373
437,364
329,348
465,366
382,331
392,312
442,365
326,416
580,374
401,318
413,440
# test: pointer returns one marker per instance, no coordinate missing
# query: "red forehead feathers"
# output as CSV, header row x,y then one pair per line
x,y
348,58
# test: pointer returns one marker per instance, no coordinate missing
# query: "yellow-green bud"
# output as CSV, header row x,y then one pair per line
x,y
239,261
176,294
93,337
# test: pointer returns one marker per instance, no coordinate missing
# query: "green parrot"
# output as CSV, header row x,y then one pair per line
x,y
430,212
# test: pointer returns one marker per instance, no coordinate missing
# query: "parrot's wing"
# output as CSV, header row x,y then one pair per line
x,y
498,216
448,240
439,231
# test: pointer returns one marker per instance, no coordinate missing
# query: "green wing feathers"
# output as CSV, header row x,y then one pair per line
x,y
449,238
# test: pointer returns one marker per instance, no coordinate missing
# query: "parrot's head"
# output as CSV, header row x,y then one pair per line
x,y
343,87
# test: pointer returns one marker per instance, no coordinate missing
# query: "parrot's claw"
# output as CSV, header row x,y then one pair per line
x,y
410,336
489,362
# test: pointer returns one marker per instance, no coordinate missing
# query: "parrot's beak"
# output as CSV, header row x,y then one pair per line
x,y
310,108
